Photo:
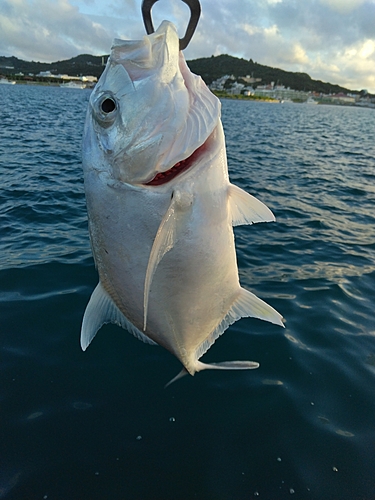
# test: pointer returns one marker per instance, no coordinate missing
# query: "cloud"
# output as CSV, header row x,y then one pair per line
x,y
337,38
46,31
332,40
343,5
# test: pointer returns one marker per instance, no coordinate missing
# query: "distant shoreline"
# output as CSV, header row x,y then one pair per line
x,y
321,101
236,97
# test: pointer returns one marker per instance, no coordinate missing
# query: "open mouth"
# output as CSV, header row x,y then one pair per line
x,y
177,169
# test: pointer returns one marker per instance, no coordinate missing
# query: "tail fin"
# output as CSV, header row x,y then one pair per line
x,y
228,365
225,365
181,374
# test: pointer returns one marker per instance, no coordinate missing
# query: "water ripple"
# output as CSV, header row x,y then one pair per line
x,y
302,424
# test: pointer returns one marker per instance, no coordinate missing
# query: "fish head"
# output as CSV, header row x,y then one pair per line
x,y
148,112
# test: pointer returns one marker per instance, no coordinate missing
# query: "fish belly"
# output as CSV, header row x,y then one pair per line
x,y
195,283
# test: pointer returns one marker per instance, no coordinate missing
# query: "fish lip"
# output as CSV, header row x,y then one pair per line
x,y
178,168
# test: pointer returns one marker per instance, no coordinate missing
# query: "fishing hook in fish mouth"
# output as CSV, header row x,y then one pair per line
x,y
195,12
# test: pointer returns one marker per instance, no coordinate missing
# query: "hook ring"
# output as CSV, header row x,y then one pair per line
x,y
195,12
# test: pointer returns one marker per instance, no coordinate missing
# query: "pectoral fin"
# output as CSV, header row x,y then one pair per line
x,y
166,237
100,310
164,241
246,209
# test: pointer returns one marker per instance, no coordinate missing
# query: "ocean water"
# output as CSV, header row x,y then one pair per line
x,y
100,424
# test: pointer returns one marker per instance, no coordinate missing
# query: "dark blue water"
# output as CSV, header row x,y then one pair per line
x,y
99,424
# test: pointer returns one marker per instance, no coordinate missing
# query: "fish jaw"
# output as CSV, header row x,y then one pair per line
x,y
156,112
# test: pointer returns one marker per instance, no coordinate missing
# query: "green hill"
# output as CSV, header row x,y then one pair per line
x,y
210,68
84,64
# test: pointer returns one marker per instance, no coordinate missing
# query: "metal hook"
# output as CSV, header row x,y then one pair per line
x,y
195,12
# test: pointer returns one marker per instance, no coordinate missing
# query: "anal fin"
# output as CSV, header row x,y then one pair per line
x,y
245,305
249,305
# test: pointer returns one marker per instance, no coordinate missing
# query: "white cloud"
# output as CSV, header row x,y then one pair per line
x,y
250,29
343,5
367,49
46,30
331,40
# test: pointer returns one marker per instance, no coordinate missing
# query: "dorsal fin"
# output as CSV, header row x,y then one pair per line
x,y
100,310
246,209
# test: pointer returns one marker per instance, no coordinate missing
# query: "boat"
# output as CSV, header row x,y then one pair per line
x,y
73,85
5,81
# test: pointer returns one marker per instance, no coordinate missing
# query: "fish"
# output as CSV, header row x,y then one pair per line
x,y
161,208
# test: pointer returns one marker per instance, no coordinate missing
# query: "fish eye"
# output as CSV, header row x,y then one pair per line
x,y
105,109
108,105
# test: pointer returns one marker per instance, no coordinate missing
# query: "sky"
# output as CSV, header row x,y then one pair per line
x,y
331,40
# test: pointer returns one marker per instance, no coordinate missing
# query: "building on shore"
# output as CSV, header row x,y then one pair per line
x,y
48,74
280,92
342,98
231,84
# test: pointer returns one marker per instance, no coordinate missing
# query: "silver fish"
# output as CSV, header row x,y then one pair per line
x,y
161,207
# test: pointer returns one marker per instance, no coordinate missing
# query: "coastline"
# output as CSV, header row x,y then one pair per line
x,y
239,97
321,101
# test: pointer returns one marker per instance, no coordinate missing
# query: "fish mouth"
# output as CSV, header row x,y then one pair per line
x,y
177,169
